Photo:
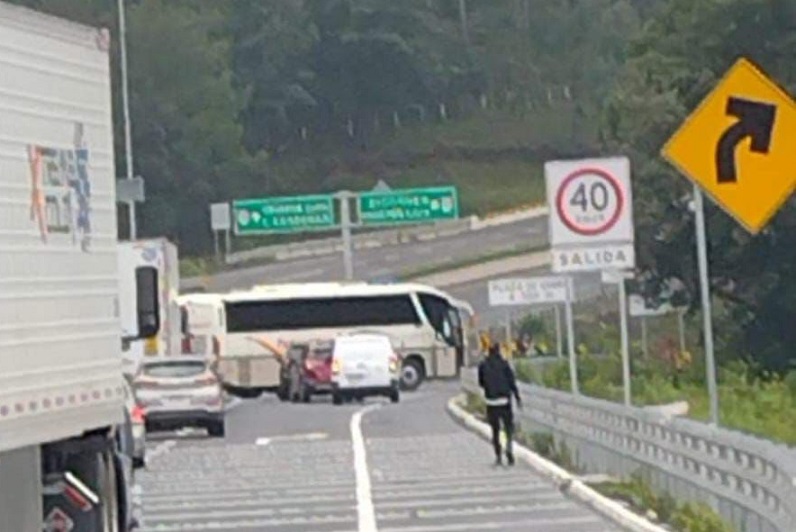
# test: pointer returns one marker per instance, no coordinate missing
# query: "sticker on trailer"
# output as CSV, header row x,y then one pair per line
x,y
58,521
591,214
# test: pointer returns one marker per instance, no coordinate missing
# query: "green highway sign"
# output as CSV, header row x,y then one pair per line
x,y
408,206
283,215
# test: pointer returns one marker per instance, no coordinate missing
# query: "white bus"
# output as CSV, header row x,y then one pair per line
x,y
427,327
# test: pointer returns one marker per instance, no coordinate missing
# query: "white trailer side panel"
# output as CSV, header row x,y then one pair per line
x,y
60,364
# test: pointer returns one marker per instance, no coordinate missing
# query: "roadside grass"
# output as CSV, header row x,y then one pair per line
x,y
762,405
464,263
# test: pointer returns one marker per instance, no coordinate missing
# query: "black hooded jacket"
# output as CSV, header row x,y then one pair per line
x,y
496,377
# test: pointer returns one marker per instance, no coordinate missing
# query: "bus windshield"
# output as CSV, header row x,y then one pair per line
x,y
319,313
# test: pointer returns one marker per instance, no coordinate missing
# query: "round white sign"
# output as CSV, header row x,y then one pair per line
x,y
589,201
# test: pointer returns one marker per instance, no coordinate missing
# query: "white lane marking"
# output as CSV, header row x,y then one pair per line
x,y
312,436
365,511
532,524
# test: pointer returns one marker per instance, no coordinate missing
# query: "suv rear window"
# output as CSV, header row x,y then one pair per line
x,y
174,370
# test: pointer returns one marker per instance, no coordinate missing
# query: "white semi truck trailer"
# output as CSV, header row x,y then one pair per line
x,y
62,412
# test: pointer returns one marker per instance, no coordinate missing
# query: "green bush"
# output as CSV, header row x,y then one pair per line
x,y
688,517
698,517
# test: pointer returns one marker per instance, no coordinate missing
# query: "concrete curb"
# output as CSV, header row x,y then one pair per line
x,y
565,481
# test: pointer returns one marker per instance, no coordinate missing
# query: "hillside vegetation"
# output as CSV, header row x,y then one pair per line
x,y
270,97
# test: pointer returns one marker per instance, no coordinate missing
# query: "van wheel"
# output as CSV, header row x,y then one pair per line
x,y
411,375
217,429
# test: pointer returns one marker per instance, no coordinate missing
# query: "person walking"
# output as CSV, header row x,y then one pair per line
x,y
497,379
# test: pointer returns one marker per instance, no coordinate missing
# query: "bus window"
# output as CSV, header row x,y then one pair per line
x,y
295,314
437,310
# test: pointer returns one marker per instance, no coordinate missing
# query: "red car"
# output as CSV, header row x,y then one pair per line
x,y
307,371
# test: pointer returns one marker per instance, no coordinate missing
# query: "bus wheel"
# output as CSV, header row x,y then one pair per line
x,y
412,374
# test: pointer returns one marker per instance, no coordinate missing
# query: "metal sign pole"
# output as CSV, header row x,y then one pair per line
x,y
573,361
216,246
508,325
345,228
681,329
707,317
644,338
227,244
559,336
624,337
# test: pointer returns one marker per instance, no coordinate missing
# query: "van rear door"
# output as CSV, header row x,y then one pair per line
x,y
364,363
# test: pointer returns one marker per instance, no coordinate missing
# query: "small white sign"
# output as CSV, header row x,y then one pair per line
x,y
584,259
591,214
638,308
527,291
614,276
220,219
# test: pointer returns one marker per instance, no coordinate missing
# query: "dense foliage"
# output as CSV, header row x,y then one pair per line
x,y
258,97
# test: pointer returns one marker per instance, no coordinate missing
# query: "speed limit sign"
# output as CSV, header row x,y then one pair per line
x,y
591,214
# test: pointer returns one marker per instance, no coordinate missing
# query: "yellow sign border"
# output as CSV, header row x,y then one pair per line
x,y
742,62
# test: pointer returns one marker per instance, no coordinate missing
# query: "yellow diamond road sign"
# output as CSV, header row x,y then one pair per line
x,y
739,145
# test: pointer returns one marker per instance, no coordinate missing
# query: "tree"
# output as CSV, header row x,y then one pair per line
x,y
680,56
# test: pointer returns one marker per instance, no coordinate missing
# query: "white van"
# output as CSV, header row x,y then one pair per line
x,y
204,325
364,365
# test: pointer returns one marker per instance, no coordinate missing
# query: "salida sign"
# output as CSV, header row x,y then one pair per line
x,y
591,214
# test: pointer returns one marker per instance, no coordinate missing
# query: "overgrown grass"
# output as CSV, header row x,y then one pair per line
x,y
197,267
757,404
662,507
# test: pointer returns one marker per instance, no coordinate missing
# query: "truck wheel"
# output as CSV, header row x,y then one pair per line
x,y
217,429
411,374
109,494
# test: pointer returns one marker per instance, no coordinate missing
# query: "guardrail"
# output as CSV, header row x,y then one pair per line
x,y
749,481
380,238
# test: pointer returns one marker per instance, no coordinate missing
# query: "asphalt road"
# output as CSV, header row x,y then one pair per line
x,y
402,468
389,261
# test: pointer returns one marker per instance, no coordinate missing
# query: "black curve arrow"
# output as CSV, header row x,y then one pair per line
x,y
756,121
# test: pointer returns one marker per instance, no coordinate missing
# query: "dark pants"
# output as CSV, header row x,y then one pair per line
x,y
496,415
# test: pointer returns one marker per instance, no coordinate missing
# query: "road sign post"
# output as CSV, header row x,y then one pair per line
x,y
407,206
570,318
220,221
626,383
345,229
619,278
707,314
737,135
591,227
681,329
559,344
